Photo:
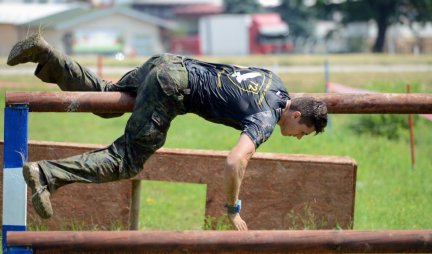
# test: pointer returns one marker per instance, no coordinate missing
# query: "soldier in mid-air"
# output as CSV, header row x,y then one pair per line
x,y
252,100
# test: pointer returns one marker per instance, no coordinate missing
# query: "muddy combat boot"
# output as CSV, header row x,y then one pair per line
x,y
33,49
40,193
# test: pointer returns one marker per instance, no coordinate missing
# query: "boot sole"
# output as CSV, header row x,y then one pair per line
x,y
41,205
19,53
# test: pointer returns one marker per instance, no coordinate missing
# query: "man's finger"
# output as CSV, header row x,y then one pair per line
x,y
245,226
242,226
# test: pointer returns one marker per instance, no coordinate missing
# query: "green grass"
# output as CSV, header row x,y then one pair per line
x,y
389,195
269,60
161,203
387,186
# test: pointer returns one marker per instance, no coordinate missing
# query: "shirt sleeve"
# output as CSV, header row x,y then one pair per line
x,y
259,126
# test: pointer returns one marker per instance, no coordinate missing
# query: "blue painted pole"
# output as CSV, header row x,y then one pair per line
x,y
14,186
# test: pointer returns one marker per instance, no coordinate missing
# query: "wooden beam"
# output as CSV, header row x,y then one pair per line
x,y
272,241
115,102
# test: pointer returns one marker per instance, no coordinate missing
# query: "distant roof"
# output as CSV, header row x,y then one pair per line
x,y
71,17
177,2
19,13
199,9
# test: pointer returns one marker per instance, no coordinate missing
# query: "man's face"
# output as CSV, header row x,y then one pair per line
x,y
293,128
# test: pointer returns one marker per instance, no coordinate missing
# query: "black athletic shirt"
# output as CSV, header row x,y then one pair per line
x,y
248,99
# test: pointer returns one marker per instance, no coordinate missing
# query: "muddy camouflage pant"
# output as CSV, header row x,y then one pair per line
x,y
161,85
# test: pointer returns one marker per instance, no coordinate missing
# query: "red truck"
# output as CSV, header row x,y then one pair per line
x,y
237,34
268,33
243,34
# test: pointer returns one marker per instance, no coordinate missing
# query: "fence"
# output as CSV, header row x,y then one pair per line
x,y
18,104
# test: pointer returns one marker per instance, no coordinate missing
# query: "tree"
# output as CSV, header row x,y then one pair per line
x,y
299,17
242,6
383,12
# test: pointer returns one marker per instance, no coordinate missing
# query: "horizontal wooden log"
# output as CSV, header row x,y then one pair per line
x,y
96,102
115,102
274,241
376,103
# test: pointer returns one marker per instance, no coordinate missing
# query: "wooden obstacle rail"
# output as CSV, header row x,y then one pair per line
x,y
300,188
277,241
116,102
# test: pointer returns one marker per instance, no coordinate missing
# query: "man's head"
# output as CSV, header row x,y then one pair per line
x,y
303,116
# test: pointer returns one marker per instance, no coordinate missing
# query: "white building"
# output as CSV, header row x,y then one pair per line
x,y
77,29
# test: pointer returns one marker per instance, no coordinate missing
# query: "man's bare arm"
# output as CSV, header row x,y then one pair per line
x,y
235,168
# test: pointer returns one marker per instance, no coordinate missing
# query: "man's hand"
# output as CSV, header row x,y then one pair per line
x,y
237,222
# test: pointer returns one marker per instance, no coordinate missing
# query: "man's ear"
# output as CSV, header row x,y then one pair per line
x,y
296,114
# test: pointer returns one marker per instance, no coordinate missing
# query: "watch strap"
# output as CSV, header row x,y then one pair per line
x,y
234,209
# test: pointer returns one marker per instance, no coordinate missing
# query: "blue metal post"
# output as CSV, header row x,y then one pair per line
x,y
14,186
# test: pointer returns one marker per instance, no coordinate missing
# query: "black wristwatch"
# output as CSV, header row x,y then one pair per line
x,y
234,209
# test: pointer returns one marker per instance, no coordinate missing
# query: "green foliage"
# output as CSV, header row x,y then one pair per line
x,y
73,224
37,227
305,219
389,126
299,17
242,6
383,12
357,44
221,223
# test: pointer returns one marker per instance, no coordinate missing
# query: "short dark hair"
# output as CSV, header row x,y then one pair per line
x,y
313,112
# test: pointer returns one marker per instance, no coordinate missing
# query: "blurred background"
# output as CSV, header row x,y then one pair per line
x,y
127,28
313,45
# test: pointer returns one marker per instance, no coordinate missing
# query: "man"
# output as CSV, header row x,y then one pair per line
x,y
252,100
